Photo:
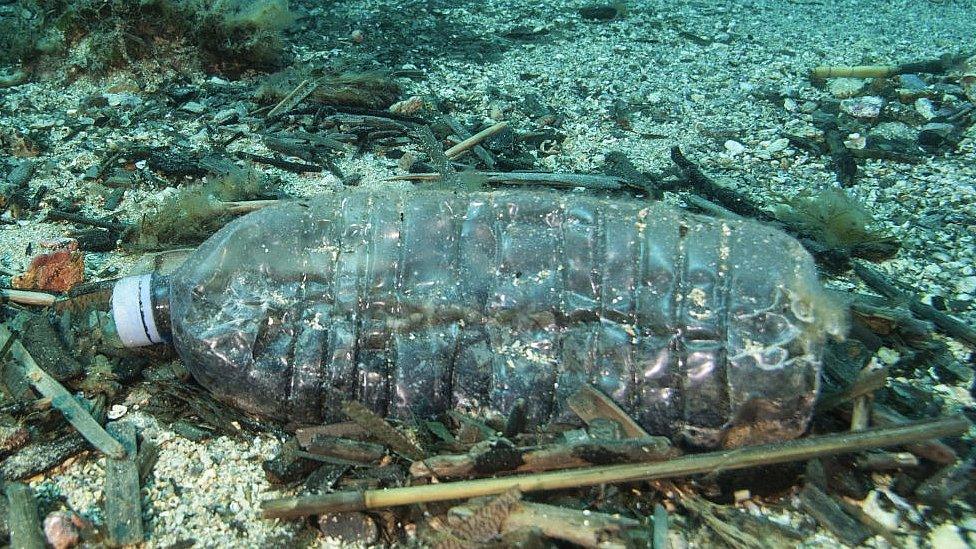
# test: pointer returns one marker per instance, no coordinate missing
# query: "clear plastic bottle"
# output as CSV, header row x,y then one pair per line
x,y
415,303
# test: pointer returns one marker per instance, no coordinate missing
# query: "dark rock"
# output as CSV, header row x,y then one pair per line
x,y
352,528
601,12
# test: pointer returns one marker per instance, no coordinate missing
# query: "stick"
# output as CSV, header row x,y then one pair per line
x,y
294,97
499,455
829,514
25,525
741,458
583,528
245,206
929,66
467,144
589,404
24,297
867,382
345,449
557,180
660,539
287,165
379,429
123,498
697,182
58,215
949,325
934,450
63,401
39,457
478,150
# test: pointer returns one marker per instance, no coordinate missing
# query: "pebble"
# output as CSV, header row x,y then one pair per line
x,y
925,107
734,148
966,285
116,411
863,107
946,536
193,107
842,88
778,145
60,530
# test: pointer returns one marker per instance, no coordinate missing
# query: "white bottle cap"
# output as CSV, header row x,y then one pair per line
x,y
133,311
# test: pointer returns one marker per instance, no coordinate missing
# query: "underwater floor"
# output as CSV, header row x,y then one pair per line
x,y
726,82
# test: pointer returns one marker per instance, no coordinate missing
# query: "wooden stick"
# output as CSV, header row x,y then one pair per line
x,y
589,404
63,401
123,497
498,456
660,539
934,450
950,326
928,66
557,180
829,514
294,97
856,71
24,297
381,430
40,456
478,150
868,381
25,525
725,460
245,206
583,528
465,145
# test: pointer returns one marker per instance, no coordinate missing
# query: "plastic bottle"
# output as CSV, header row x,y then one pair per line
x,y
420,302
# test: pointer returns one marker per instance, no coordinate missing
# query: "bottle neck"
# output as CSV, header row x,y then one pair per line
x,y
140,309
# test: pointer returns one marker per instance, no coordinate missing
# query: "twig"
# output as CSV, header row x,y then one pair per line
x,y
123,498
58,215
294,97
25,525
354,451
697,182
500,456
39,457
558,180
24,297
478,150
287,165
867,382
589,404
245,206
795,450
950,326
465,145
64,402
379,429
869,521
941,65
660,539
831,516
933,450
886,461
582,528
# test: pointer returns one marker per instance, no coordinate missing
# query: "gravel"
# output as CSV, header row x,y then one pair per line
x,y
724,80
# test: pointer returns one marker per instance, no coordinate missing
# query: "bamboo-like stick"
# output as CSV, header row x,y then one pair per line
x,y
469,143
856,71
24,297
724,460
246,206
61,399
